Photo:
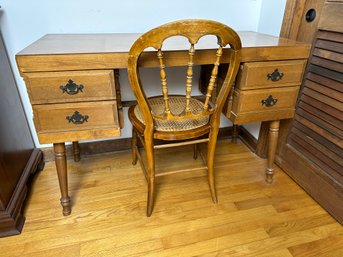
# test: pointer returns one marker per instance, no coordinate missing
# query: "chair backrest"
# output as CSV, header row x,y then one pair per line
x,y
192,30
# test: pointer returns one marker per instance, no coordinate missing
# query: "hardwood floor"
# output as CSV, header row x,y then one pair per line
x,y
108,218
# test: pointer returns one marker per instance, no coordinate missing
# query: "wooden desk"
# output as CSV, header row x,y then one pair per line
x,y
72,82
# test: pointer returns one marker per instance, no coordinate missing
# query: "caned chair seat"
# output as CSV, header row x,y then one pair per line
x,y
177,106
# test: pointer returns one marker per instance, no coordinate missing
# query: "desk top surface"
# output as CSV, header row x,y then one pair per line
x,y
121,43
59,52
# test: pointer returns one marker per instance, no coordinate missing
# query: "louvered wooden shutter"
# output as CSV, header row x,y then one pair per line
x,y
317,131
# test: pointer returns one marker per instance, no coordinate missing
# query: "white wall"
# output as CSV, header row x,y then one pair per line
x,y
22,22
271,16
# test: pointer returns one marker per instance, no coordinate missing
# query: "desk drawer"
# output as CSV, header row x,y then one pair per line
x,y
255,75
70,86
75,116
260,104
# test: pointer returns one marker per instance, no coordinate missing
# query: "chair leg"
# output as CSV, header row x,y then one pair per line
x,y
150,158
134,146
210,163
150,203
195,151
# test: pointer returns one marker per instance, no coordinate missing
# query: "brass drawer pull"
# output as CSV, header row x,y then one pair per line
x,y
275,75
71,88
77,118
269,101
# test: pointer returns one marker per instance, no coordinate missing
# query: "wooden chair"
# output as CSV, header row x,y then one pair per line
x,y
180,117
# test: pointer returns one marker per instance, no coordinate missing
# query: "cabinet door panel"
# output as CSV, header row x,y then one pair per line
x,y
15,137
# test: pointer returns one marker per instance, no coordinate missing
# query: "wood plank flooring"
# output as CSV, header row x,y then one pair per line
x,y
108,218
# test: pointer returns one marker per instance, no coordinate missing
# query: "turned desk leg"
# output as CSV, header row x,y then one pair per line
x,y
61,166
76,151
234,133
272,142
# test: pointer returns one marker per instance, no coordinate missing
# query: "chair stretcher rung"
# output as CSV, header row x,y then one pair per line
x,y
179,171
182,143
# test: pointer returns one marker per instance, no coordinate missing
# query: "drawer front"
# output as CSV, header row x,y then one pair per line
x,y
77,116
70,86
264,100
270,74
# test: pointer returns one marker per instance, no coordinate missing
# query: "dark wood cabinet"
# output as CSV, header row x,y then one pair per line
x,y
18,157
312,151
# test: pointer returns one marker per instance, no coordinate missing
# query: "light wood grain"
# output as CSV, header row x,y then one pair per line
x,y
180,118
52,125
330,20
121,43
254,75
52,117
247,105
58,52
45,87
294,25
252,218
251,100
70,54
